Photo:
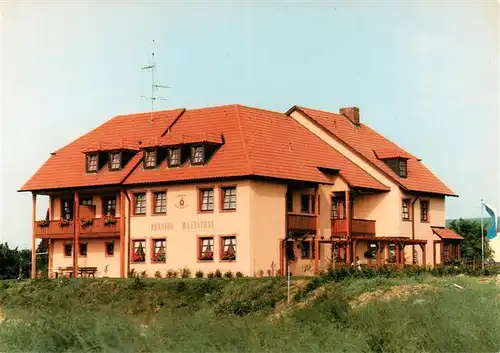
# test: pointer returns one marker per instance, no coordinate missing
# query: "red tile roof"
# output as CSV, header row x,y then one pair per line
x,y
445,233
365,141
260,143
256,142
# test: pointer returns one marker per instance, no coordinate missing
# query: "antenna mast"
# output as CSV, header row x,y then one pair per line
x,y
154,84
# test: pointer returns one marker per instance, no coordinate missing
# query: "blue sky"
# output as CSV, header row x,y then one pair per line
x,y
425,75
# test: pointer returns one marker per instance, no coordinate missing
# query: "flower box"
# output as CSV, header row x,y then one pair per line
x,y
228,256
160,257
207,256
63,222
108,221
138,257
86,222
43,223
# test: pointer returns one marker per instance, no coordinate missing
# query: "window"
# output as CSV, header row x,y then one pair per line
x,y
83,249
289,201
67,209
110,249
402,168
392,254
68,249
337,208
91,163
229,200
159,253
304,203
197,155
207,200
206,248
116,160
140,204
150,159
139,250
175,157
424,211
228,248
87,201
109,206
305,249
160,202
406,209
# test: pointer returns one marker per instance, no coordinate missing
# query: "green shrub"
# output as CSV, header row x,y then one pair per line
x,y
199,274
171,273
185,273
218,274
157,274
210,275
228,274
239,274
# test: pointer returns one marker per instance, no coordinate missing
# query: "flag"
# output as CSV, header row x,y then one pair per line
x,y
492,230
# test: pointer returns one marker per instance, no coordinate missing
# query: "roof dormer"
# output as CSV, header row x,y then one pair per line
x,y
180,148
115,154
397,160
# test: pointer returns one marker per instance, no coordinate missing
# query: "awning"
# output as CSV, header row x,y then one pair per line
x,y
445,233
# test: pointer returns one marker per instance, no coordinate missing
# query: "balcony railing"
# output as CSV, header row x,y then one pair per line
x,y
359,227
97,229
303,222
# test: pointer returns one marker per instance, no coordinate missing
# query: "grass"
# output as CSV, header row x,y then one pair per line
x,y
249,315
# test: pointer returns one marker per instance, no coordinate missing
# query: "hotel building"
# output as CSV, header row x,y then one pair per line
x,y
240,189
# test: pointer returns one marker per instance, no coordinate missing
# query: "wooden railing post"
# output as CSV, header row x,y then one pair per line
x,y
316,238
33,238
76,220
378,253
122,233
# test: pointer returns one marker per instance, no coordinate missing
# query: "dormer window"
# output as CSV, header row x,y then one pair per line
x,y
150,159
92,163
174,157
115,159
197,155
398,166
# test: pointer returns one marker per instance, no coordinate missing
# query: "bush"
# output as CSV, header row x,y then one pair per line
x,y
157,274
185,273
144,274
239,274
210,275
218,274
171,273
199,274
228,274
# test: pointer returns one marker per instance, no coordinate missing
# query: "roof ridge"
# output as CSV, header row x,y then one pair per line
x,y
243,137
181,112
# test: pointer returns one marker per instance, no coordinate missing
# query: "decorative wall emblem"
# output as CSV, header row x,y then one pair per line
x,y
180,201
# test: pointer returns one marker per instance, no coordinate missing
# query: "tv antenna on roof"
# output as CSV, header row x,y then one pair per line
x,y
155,85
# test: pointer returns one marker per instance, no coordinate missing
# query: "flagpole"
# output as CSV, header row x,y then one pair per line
x,y
482,237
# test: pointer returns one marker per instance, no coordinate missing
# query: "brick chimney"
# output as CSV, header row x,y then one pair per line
x,y
351,113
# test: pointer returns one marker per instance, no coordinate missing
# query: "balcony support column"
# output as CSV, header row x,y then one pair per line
x,y
122,234
378,254
33,238
51,262
76,232
316,238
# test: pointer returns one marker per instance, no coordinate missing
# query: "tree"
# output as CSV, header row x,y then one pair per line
x,y
14,263
470,247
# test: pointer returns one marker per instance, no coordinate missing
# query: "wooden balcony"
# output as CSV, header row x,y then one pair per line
x,y
302,222
359,227
96,230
